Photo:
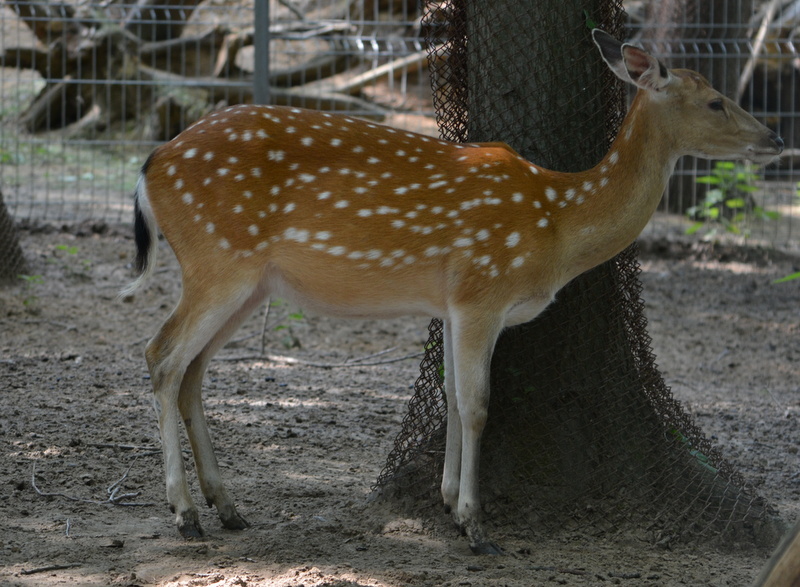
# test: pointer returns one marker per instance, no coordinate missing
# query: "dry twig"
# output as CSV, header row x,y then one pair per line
x,y
347,363
49,568
112,490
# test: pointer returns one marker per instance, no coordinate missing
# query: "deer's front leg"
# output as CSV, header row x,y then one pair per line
x,y
451,477
473,338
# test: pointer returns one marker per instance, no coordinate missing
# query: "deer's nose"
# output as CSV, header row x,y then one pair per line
x,y
777,140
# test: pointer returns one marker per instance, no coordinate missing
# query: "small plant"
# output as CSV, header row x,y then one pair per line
x,y
700,458
729,202
30,300
289,340
72,252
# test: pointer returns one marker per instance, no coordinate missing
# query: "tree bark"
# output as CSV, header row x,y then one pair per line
x,y
582,431
12,262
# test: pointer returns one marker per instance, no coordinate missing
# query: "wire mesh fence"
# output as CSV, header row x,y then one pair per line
x,y
88,89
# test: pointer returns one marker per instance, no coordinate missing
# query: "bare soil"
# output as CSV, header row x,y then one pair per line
x,y
81,488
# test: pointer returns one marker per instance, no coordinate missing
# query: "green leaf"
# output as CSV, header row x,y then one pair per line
x,y
33,279
790,277
708,179
694,228
590,22
735,203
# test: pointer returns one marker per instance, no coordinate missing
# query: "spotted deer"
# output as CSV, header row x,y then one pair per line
x,y
349,218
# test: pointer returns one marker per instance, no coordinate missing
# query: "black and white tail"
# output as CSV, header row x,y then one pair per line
x,y
146,235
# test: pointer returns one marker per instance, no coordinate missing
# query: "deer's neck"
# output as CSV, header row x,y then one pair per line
x,y
621,193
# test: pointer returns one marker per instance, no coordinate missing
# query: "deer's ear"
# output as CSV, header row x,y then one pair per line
x,y
631,64
644,70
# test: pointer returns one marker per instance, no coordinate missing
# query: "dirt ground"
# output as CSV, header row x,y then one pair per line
x,y
301,445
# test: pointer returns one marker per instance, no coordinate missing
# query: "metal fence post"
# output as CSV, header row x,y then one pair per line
x,y
261,44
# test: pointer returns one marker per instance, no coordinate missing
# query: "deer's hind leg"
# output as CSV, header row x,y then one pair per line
x,y
177,358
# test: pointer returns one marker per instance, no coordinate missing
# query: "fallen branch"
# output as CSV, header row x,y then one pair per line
x,y
409,63
758,44
295,361
122,446
49,568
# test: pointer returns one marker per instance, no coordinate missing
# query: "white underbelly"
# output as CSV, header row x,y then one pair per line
x,y
365,299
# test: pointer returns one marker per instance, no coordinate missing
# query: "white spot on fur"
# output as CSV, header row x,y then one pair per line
x,y
512,240
293,234
543,222
190,153
551,194
188,198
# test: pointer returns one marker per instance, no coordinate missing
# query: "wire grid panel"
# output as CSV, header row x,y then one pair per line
x,y
88,90
750,51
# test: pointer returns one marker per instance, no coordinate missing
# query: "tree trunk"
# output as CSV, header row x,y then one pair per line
x,y
582,430
12,263
563,382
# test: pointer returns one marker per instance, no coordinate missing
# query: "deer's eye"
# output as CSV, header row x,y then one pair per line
x,y
717,105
